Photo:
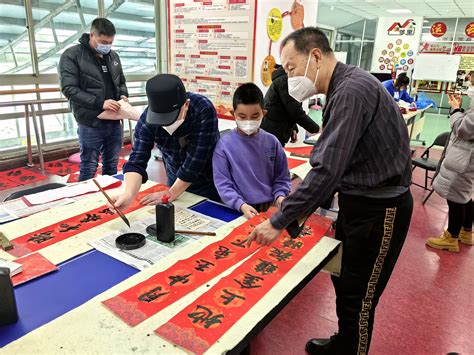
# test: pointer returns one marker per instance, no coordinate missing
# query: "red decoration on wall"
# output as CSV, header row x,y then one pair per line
x,y
33,266
198,326
438,29
469,30
147,298
70,227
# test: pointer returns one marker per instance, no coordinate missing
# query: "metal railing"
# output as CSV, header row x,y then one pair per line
x,y
31,112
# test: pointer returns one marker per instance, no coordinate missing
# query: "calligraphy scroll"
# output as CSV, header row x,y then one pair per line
x,y
70,227
198,326
21,176
154,294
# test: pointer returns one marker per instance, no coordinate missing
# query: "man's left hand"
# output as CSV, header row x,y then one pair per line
x,y
124,98
264,234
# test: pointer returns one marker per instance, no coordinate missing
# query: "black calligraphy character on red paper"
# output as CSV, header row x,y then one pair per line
x,y
178,278
249,281
106,211
152,295
90,218
39,238
205,317
222,253
265,267
14,173
229,297
27,178
239,243
203,265
66,227
280,255
293,244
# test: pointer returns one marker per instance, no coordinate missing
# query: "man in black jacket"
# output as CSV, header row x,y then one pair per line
x,y
283,111
92,80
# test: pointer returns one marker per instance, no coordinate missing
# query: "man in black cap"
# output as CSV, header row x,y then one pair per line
x,y
184,127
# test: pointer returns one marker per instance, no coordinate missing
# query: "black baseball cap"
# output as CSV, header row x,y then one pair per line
x,y
166,94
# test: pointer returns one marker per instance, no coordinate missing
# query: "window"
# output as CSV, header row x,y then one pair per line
x,y
14,45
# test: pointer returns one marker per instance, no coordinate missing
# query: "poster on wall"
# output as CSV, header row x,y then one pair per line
x,y
212,54
396,44
462,83
277,19
427,85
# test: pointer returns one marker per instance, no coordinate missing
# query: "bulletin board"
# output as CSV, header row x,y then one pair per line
x,y
396,44
211,47
462,83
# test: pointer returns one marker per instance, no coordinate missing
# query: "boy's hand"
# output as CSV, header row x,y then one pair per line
x,y
279,201
248,211
122,202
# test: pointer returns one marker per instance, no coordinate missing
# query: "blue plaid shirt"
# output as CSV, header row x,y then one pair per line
x,y
187,154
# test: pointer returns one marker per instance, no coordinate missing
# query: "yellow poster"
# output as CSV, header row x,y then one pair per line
x,y
274,24
268,66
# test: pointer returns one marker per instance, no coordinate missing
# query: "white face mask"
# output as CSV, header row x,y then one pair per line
x,y
173,127
301,87
248,127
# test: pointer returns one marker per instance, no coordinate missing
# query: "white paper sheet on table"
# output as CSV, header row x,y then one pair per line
x,y
15,268
78,189
126,111
153,250
18,208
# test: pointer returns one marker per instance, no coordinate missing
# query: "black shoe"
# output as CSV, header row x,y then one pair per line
x,y
321,346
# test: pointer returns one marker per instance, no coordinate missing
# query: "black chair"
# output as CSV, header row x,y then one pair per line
x,y
33,190
428,164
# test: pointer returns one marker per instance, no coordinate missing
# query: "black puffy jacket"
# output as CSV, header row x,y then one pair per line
x,y
82,83
284,112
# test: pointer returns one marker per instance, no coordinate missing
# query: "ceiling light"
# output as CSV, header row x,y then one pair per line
x,y
399,11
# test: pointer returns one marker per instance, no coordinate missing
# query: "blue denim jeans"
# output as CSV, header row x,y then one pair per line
x,y
105,140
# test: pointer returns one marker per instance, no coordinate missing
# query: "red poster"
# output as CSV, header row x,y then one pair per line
x,y
469,30
61,168
21,176
33,266
301,150
198,326
7,184
438,29
70,227
151,296
293,163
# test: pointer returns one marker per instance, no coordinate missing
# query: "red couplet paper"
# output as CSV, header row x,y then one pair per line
x,y
147,298
61,167
7,184
301,150
293,163
21,176
198,326
33,266
70,227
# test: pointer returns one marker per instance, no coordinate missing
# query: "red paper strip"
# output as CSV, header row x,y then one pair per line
x,y
7,184
72,226
301,150
198,326
154,294
34,265
21,176
293,163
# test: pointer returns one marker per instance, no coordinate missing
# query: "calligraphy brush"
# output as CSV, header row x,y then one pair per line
x,y
120,213
195,232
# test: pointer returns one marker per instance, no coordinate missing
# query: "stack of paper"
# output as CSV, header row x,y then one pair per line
x,y
14,268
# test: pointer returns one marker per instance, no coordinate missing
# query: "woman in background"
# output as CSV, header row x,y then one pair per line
x,y
398,88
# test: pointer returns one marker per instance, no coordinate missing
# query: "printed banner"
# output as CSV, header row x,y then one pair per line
x,y
33,266
198,326
147,298
70,227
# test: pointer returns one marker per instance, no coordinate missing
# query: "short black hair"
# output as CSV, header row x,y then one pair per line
x,y
247,94
101,26
307,38
402,80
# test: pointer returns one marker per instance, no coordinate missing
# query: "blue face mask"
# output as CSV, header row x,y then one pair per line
x,y
103,48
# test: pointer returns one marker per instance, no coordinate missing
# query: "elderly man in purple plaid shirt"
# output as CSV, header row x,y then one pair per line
x,y
184,127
